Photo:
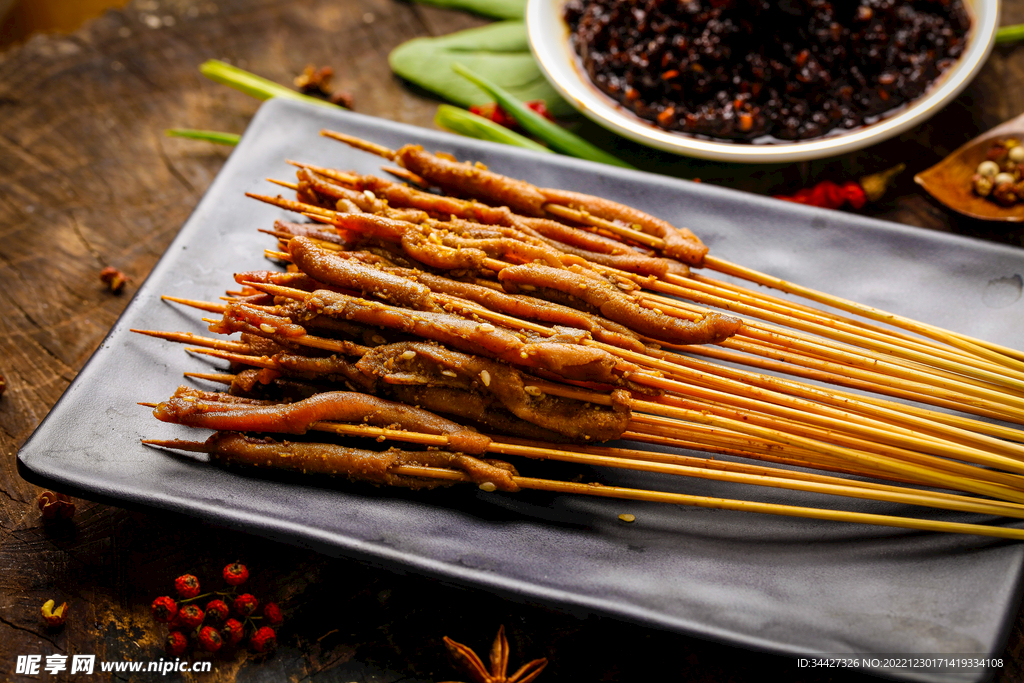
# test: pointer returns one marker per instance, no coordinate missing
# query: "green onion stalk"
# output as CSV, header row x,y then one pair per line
x,y
556,137
208,135
1009,34
254,85
469,124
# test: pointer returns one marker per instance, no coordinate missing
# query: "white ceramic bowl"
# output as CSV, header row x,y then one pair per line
x,y
549,40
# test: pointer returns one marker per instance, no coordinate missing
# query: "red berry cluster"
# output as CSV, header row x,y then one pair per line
x,y
214,628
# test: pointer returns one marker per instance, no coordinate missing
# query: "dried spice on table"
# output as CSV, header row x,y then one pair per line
x,y
53,615
55,505
114,279
316,81
830,195
468,661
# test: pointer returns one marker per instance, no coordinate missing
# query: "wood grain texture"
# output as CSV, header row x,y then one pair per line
x,y
90,180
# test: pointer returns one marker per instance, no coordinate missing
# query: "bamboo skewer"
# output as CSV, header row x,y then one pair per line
x,y
918,467
255,361
811,402
190,338
988,350
812,348
688,373
989,372
218,377
504,320
702,468
697,412
738,411
750,506
961,383
866,376
797,309
865,382
681,499
724,442
284,183
865,359
364,145
886,432
994,352
869,456
960,430
862,444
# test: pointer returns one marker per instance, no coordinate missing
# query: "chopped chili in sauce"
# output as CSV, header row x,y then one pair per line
x,y
753,70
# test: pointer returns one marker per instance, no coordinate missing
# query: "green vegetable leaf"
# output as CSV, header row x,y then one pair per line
x,y
207,135
536,125
496,9
499,51
472,126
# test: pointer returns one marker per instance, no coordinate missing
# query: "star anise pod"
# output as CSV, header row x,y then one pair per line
x,y
467,659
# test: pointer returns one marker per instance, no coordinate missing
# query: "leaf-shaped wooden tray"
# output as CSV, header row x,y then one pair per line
x,y
949,181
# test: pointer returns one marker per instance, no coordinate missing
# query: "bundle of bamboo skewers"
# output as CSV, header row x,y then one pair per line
x,y
587,315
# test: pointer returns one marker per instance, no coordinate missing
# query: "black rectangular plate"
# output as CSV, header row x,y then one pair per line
x,y
784,585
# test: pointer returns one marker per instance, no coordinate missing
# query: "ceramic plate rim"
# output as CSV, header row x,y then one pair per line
x,y
547,35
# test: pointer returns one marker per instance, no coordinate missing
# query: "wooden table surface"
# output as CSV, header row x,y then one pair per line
x,y
89,180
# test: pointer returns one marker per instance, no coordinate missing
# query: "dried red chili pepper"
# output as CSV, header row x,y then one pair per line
x,y
830,195
495,113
